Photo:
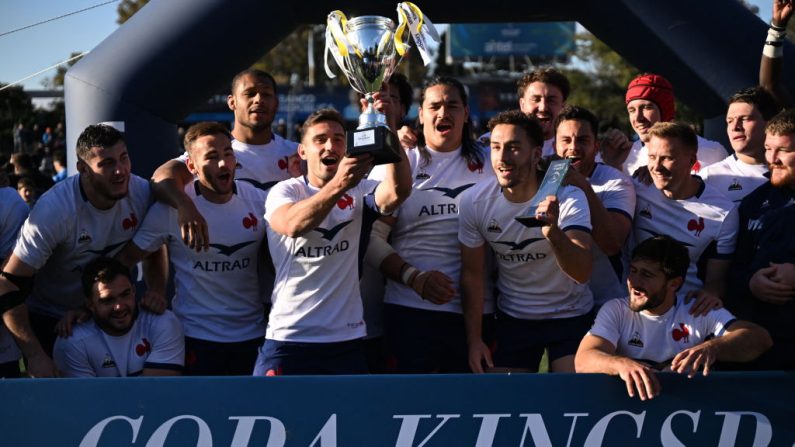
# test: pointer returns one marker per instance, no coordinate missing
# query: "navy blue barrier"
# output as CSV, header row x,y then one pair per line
x,y
728,409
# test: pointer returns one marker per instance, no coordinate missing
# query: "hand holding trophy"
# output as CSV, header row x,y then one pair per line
x,y
368,49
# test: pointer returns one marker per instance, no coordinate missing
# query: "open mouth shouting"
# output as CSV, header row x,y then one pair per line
x,y
444,128
330,160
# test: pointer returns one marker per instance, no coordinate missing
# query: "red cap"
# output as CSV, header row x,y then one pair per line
x,y
656,89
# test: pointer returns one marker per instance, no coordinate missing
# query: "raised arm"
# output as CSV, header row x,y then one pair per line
x,y
771,66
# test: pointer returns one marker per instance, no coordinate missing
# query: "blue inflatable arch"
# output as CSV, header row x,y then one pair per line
x,y
173,54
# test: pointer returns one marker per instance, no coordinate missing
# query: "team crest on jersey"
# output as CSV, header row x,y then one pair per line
x,y
696,226
682,333
646,211
635,340
143,347
283,163
494,227
129,223
250,221
422,175
84,237
475,166
345,202
696,167
108,361
735,186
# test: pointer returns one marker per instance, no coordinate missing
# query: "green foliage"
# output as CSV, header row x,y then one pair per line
x,y
58,78
15,107
127,8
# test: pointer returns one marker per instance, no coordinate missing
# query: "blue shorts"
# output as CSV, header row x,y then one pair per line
x,y
521,343
212,358
422,341
283,358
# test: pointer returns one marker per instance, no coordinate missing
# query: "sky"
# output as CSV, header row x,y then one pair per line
x,y
30,50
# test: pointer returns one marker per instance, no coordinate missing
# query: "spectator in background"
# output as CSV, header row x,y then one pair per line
x,y
24,167
47,138
19,138
27,190
59,164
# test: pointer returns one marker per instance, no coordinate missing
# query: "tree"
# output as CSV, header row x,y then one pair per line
x,y
58,78
127,8
15,107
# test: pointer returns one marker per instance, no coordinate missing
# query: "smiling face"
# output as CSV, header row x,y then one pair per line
x,y
575,140
112,305
780,155
322,146
746,128
669,164
254,102
211,158
513,155
543,102
642,115
442,115
648,287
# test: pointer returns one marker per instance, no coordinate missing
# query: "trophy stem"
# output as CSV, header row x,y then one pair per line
x,y
371,117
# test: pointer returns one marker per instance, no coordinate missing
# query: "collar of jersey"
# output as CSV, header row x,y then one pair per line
x,y
199,192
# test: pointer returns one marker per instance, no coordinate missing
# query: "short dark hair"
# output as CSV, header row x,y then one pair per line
x,y
202,129
96,135
529,124
681,131
759,98
60,157
546,75
405,91
576,113
255,72
782,124
320,116
103,270
670,254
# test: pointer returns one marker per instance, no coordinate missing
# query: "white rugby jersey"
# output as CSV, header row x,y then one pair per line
x,y
734,178
64,232
696,222
154,341
316,295
531,285
217,291
263,165
709,152
13,211
426,232
617,193
656,338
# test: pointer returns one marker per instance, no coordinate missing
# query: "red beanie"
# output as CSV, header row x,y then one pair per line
x,y
656,89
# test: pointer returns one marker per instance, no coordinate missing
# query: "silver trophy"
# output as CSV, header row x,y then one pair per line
x,y
367,50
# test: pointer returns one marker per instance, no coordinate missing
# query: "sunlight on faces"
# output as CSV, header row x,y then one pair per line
x,y
113,305
669,163
513,156
211,158
544,102
254,102
107,171
648,286
442,116
642,115
780,155
575,140
322,146
745,127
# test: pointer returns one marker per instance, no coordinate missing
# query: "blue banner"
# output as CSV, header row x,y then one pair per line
x,y
512,39
725,409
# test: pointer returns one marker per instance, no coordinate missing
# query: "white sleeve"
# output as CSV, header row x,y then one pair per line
x,y
574,212
468,233
71,358
608,321
727,236
280,194
155,228
717,320
168,343
620,198
41,233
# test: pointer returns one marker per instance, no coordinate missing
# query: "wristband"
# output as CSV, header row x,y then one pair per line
x,y
774,45
408,275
